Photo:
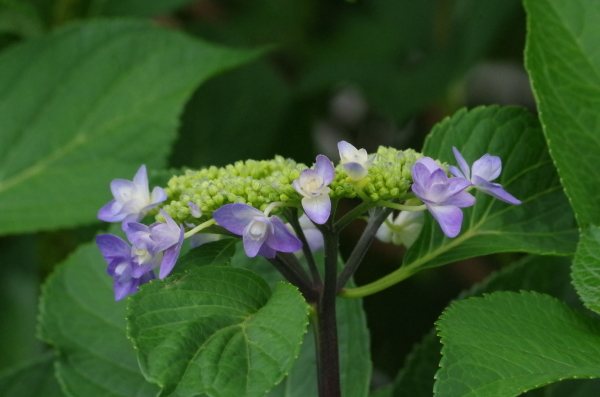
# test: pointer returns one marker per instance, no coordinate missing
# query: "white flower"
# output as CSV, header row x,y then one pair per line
x,y
403,230
356,162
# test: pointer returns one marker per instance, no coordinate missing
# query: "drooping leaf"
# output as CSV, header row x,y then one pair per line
x,y
563,63
543,274
353,339
543,224
217,330
586,268
87,104
507,343
79,317
36,378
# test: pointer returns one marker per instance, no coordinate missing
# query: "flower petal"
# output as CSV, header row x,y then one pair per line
x,y
317,208
456,172
158,195
267,252
462,163
194,210
314,238
487,167
449,217
456,185
170,257
461,200
347,151
355,171
113,247
420,174
495,190
122,189
141,179
123,286
281,239
325,169
429,163
235,217
110,212
384,233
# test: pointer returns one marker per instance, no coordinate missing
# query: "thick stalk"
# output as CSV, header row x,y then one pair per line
x,y
328,366
378,217
295,275
310,259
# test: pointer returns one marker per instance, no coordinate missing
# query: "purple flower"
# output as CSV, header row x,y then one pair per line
x,y
149,242
484,170
262,235
443,196
356,162
118,255
132,199
312,184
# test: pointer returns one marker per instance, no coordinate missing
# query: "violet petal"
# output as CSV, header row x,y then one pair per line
x,y
113,247
317,208
462,163
495,190
449,217
324,168
108,213
235,217
170,257
267,252
281,239
487,167
355,171
461,199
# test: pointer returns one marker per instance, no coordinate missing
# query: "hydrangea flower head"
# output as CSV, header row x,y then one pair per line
x,y
356,162
312,184
121,266
443,196
149,242
403,229
484,170
262,235
132,199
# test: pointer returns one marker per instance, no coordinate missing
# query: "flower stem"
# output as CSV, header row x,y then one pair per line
x,y
201,226
290,268
360,249
310,259
351,215
328,367
401,207
379,285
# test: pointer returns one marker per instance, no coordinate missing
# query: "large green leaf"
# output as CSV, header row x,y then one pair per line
x,y
87,104
217,330
564,65
36,378
542,224
586,268
543,274
507,343
79,317
215,253
353,339
138,8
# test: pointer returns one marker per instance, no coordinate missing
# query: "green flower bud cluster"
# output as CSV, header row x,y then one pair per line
x,y
259,183
256,183
388,178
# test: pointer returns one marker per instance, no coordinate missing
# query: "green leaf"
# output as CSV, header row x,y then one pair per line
x,y
507,343
217,330
245,106
138,8
36,378
586,268
215,253
79,317
542,224
353,339
548,275
563,63
87,104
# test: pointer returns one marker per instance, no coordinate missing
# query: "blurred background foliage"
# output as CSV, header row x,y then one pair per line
x,y
373,72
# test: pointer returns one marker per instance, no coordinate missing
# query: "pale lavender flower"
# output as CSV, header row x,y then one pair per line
x,y
442,196
262,235
484,170
312,184
132,199
356,162
401,230
149,242
117,254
